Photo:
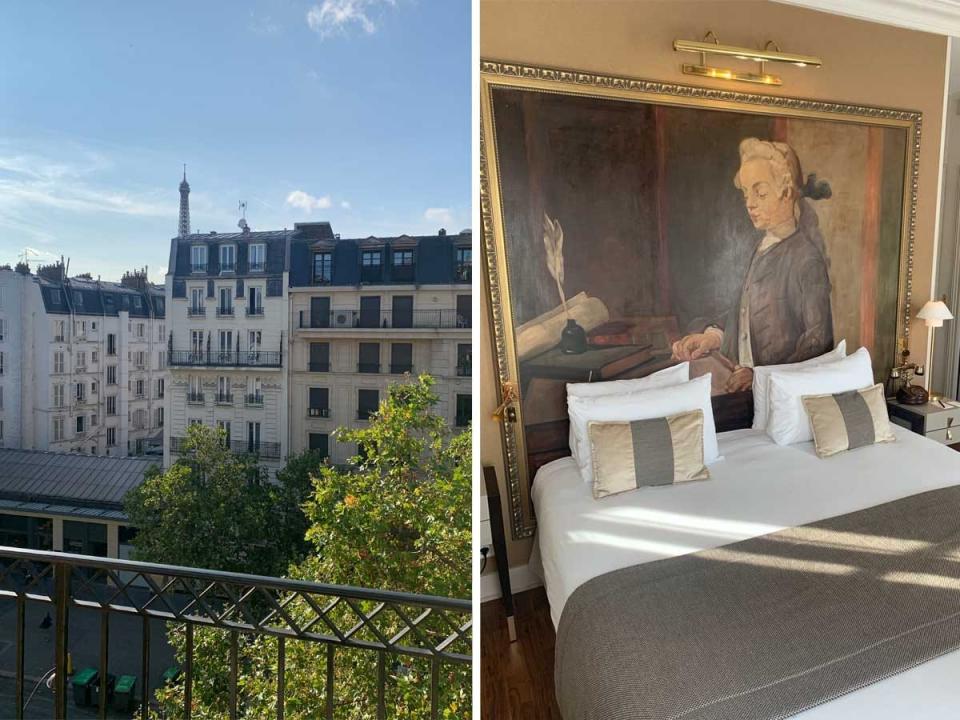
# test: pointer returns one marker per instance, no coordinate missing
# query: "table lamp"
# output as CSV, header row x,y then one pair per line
x,y
933,313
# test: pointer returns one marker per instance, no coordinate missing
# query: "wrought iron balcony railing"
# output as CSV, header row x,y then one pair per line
x,y
224,312
463,272
269,450
224,398
255,311
254,400
319,412
378,623
195,398
226,358
384,320
465,370
196,311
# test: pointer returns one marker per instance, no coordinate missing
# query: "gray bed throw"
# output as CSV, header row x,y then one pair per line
x,y
768,627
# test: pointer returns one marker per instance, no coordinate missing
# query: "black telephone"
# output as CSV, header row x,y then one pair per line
x,y
912,395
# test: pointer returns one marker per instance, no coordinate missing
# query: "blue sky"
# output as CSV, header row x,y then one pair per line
x,y
352,111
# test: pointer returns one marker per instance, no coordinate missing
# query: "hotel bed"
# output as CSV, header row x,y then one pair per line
x,y
757,489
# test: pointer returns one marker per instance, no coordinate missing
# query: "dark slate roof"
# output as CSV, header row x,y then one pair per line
x,y
434,258
275,240
69,479
96,297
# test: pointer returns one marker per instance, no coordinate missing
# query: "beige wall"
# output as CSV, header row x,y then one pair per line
x,y
862,63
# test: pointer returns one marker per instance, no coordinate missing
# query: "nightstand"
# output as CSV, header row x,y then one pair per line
x,y
931,420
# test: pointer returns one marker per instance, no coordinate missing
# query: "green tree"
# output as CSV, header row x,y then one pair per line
x,y
218,510
399,519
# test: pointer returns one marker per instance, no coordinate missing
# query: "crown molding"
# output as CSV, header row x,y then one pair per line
x,y
941,17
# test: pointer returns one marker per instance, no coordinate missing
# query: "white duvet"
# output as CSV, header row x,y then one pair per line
x,y
757,489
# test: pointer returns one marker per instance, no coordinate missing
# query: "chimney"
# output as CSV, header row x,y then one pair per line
x,y
442,232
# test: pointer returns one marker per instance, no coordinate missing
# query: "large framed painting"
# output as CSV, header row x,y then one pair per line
x,y
629,225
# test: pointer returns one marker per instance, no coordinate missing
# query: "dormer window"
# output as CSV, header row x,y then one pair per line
x,y
258,257
463,269
322,268
77,299
371,263
228,258
403,265
198,258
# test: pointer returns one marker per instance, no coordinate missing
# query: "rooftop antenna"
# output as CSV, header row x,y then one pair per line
x,y
242,209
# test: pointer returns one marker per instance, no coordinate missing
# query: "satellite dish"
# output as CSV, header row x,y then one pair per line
x,y
242,224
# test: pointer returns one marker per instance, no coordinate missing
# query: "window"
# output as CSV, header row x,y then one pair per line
x,y
258,257
254,301
137,302
58,395
1,397
403,265
111,405
59,330
140,357
93,326
1,429
93,420
319,357
81,392
195,393
138,390
111,374
57,429
196,342
160,389
464,410
196,302
223,390
254,391
226,345
367,402
319,402
111,437
161,360
320,443
81,423
58,362
228,258
159,416
224,425
401,358
225,306
253,437
464,359
322,268
111,344
81,360
464,311
1,329
369,358
141,328
198,258
161,331
94,355
1,363
93,387
370,265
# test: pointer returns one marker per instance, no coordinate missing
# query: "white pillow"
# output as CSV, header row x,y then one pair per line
x,y
673,375
642,405
788,422
761,381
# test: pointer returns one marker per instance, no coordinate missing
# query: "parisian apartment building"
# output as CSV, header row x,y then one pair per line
x,y
279,337
82,363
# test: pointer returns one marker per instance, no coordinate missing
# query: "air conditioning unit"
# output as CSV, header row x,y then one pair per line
x,y
342,319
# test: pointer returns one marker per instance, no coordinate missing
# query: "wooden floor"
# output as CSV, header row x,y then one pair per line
x,y
516,679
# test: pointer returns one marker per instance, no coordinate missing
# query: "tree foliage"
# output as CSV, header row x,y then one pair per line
x,y
398,518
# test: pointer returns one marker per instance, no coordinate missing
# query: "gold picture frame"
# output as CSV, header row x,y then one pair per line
x,y
494,75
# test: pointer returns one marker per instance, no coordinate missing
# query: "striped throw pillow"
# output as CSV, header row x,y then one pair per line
x,y
847,420
640,453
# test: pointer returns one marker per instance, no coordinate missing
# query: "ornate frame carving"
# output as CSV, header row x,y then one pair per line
x,y
572,82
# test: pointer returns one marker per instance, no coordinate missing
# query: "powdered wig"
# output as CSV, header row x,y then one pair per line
x,y
783,162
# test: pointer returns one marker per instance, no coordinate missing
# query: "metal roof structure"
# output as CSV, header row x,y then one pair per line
x,y
68,483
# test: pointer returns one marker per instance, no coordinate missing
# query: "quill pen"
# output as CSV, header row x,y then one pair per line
x,y
553,242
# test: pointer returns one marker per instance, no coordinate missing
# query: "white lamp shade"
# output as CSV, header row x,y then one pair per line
x,y
934,312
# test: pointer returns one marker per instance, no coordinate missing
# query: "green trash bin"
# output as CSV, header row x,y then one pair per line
x,y
95,690
170,675
83,686
123,693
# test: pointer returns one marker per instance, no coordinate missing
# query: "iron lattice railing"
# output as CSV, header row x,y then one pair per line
x,y
383,623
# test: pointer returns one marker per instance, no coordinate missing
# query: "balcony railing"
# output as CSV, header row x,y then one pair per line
x,y
381,624
385,320
224,312
258,266
196,311
224,398
270,450
255,311
222,358
368,367
198,267
319,366
401,368
319,412
463,272
195,398
465,370
253,400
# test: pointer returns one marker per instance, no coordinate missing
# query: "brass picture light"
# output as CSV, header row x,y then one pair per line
x,y
710,45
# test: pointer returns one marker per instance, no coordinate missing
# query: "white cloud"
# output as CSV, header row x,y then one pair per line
x,y
444,216
345,205
158,275
306,201
336,16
